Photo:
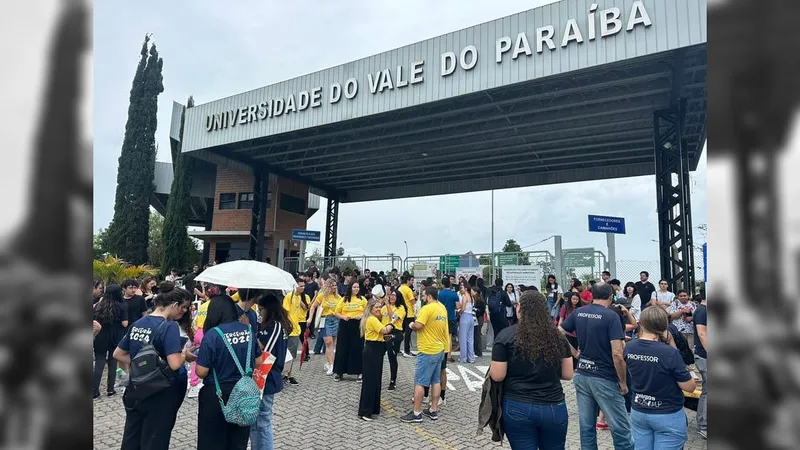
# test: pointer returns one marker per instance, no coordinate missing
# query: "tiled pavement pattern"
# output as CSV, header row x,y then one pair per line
x,y
321,414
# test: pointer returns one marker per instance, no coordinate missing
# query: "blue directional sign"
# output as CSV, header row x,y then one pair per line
x,y
705,262
305,235
605,224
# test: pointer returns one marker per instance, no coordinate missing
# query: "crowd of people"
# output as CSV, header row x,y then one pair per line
x,y
626,349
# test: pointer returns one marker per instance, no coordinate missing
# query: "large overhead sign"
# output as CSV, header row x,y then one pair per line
x,y
599,25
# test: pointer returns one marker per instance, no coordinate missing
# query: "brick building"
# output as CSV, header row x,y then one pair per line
x,y
221,205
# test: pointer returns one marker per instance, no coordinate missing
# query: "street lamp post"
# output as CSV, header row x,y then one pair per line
x,y
404,242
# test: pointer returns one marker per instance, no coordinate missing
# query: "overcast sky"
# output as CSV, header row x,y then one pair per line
x,y
212,50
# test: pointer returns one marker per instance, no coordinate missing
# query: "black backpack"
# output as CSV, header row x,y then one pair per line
x,y
683,346
149,373
495,302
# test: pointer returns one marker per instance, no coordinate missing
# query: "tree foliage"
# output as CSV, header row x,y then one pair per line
x,y
100,244
156,247
512,246
174,235
128,232
315,256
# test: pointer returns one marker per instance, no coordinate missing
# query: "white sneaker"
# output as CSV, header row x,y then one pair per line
x,y
194,391
442,402
330,371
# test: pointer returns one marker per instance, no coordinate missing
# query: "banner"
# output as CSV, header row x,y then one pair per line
x,y
422,271
467,272
525,275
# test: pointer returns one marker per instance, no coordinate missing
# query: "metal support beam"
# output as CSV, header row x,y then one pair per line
x,y
673,197
331,225
258,219
209,225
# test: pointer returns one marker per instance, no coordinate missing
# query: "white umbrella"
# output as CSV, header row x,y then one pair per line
x,y
247,274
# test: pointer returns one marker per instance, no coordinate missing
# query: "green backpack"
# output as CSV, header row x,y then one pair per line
x,y
245,399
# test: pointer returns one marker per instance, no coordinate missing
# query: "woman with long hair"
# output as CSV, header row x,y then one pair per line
x,y
479,308
97,291
555,296
393,312
466,324
530,359
112,315
216,365
185,322
147,291
349,343
513,297
373,331
274,327
659,376
149,422
327,299
632,298
572,301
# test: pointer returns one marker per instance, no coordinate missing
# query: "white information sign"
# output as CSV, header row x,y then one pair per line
x,y
467,272
525,275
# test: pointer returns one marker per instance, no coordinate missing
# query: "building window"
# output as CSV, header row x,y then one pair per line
x,y
292,204
246,200
227,201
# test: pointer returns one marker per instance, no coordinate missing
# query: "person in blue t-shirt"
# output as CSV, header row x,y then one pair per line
x,y
449,298
149,422
216,365
658,376
273,335
601,375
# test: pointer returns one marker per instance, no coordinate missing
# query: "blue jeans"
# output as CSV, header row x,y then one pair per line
x,y
660,431
531,426
319,345
591,393
428,370
261,432
466,338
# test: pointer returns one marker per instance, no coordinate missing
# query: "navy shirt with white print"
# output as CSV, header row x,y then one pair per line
x,y
215,356
596,327
166,340
656,369
274,335
251,316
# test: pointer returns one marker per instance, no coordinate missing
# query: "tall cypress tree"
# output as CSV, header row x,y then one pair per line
x,y
176,238
128,231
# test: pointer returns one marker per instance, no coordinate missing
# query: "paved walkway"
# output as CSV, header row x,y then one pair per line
x,y
322,414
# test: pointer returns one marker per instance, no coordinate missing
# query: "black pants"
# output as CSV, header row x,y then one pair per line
x,y
407,334
213,432
370,402
478,327
499,322
574,342
149,422
392,350
101,359
349,345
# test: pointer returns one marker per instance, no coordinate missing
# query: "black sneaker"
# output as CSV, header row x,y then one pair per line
x,y
111,393
337,378
293,382
95,395
391,385
411,418
366,418
433,415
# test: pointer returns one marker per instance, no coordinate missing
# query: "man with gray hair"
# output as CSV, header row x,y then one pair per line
x,y
600,381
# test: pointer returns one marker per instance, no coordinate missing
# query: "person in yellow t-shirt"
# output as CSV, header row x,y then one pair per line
x,y
393,312
433,341
374,332
297,307
327,299
406,289
349,344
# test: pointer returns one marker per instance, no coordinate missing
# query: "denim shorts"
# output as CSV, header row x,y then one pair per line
x,y
429,369
331,326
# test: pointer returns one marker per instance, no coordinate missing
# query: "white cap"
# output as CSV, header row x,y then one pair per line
x,y
378,291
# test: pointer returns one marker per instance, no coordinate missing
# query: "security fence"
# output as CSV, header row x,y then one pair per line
x,y
487,266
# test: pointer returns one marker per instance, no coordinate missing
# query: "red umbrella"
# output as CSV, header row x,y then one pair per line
x,y
304,351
